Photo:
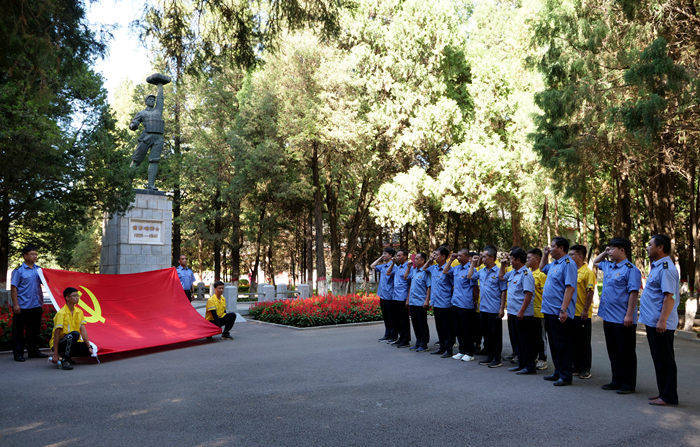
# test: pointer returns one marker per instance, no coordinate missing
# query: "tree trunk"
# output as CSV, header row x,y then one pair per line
x,y
515,218
4,239
318,223
235,240
332,189
176,239
355,226
545,229
596,224
217,234
309,250
624,201
256,264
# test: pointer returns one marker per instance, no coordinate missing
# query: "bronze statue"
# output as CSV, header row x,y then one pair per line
x,y
153,127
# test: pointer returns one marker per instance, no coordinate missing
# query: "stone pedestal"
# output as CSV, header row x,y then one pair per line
x,y
304,291
140,239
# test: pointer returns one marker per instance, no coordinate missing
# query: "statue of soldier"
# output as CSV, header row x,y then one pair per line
x,y
153,127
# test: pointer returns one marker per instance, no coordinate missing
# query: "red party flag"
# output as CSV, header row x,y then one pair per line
x,y
131,311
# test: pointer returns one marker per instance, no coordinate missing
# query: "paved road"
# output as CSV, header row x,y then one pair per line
x,y
274,386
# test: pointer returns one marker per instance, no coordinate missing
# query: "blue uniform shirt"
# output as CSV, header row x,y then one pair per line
x,y
440,286
489,289
400,284
463,292
420,282
561,274
663,278
619,279
186,277
385,289
520,281
28,285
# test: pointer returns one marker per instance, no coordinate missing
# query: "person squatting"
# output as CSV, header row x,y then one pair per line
x,y
544,300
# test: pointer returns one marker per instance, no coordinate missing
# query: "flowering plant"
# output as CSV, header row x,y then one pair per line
x,y
6,327
319,310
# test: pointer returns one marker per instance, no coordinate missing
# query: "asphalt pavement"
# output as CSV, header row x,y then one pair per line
x,y
274,386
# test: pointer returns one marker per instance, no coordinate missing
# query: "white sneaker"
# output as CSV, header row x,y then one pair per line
x,y
467,358
458,356
541,364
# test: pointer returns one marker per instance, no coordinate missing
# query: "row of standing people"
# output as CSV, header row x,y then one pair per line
x,y
470,293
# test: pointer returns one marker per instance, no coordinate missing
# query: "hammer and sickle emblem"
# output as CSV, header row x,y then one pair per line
x,y
92,314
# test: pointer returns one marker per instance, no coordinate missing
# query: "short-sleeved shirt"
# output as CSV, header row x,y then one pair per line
x,y
68,321
400,284
385,288
539,278
186,277
619,280
518,282
561,273
217,304
663,278
586,281
489,289
440,286
420,283
463,290
28,284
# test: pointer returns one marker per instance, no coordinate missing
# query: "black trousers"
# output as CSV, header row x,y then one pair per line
x,y
389,330
539,341
526,335
25,330
419,318
621,343
464,324
443,325
226,322
582,344
513,333
561,343
661,347
69,346
493,335
189,295
399,315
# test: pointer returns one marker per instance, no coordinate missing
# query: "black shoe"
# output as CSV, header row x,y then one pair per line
x,y
20,358
514,368
391,341
396,343
611,386
625,391
37,355
526,371
226,335
485,362
403,345
496,364
421,349
413,348
385,338
509,357
562,382
438,352
514,360
551,378
66,364
447,354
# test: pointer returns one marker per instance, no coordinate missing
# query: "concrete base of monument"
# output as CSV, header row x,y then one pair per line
x,y
140,239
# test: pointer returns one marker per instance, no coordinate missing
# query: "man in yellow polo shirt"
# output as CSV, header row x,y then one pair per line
x,y
216,311
69,330
534,256
585,285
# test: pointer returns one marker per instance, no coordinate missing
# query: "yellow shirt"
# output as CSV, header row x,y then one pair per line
x,y
217,304
539,278
586,281
67,321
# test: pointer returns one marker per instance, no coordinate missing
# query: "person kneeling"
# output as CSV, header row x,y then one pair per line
x,y
69,331
216,311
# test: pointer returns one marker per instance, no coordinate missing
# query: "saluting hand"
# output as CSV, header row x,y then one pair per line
x,y
475,260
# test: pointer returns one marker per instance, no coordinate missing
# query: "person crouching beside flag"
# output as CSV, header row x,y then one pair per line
x,y
216,311
70,332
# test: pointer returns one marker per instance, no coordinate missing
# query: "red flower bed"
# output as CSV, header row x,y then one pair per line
x,y
319,310
6,327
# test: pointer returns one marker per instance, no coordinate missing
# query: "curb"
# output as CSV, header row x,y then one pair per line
x,y
329,326
687,335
